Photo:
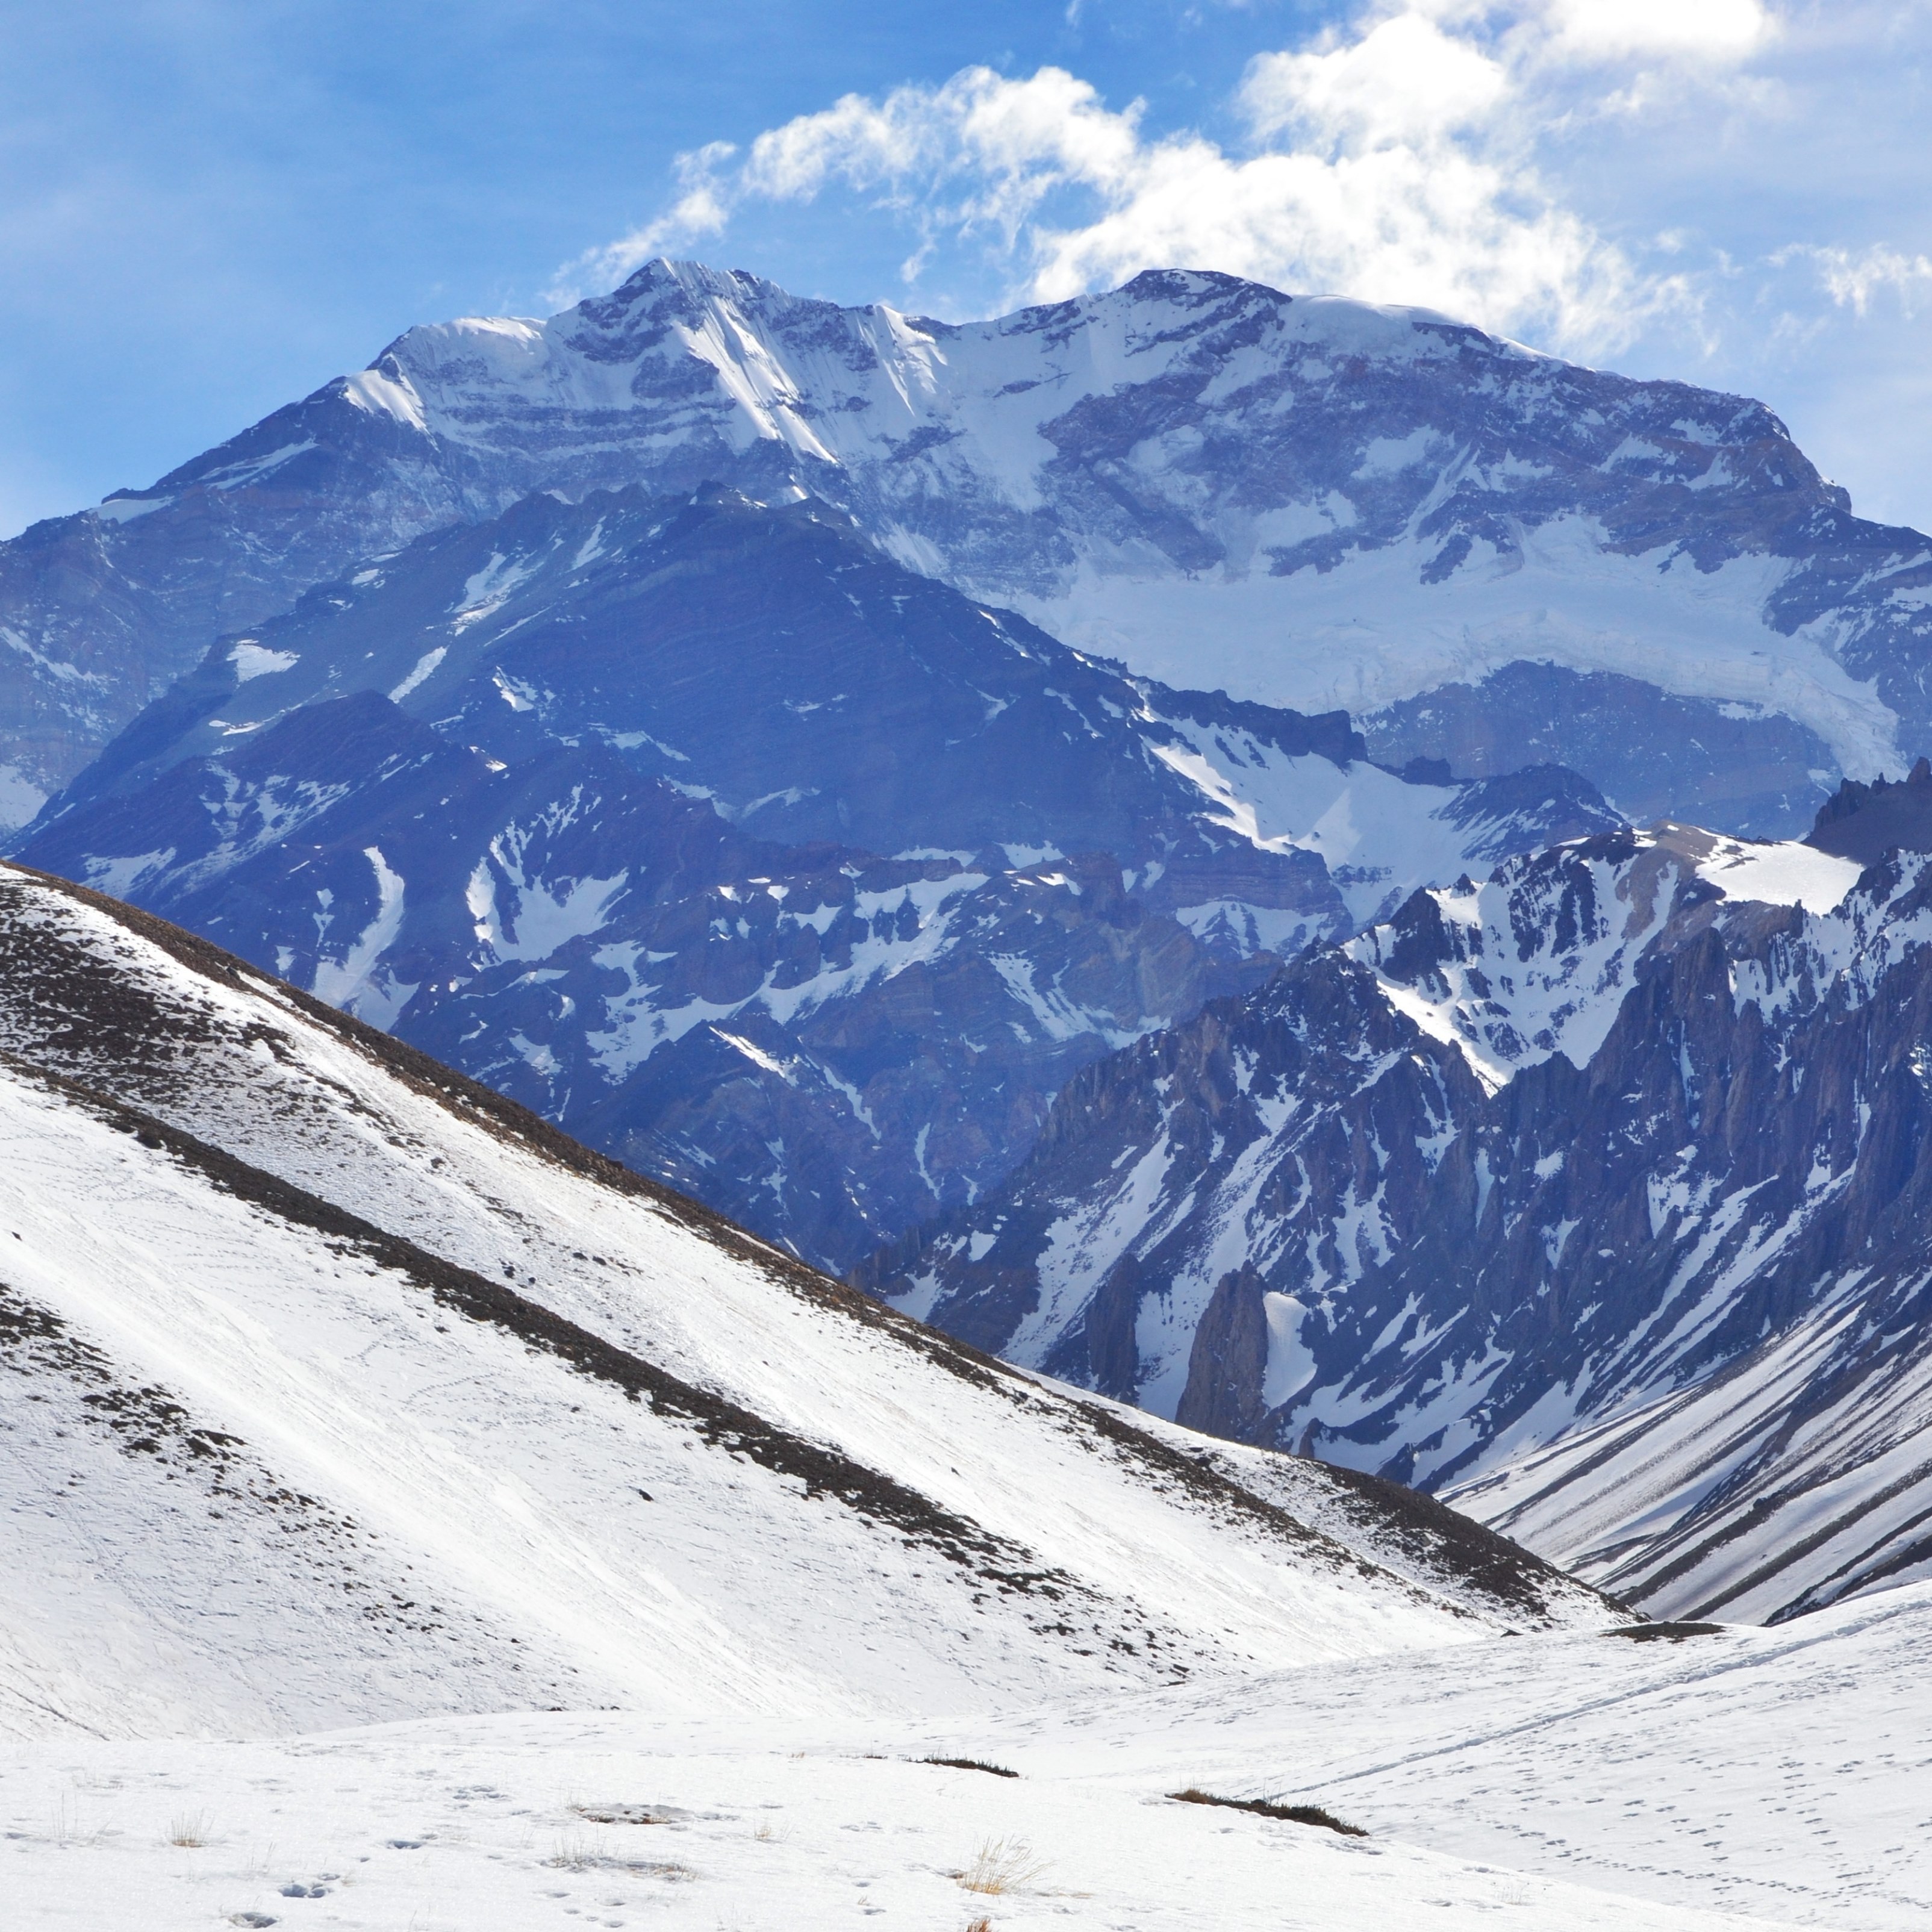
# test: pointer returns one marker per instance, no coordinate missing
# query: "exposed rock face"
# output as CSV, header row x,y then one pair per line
x,y
1311,503
1748,770
1616,1123
104,609
1865,822
780,871
1228,1361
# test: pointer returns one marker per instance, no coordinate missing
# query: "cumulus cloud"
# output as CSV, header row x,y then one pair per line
x,y
1394,160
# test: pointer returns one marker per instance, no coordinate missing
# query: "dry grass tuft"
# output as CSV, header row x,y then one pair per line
x,y
1002,1865
1266,1807
971,1764
576,1854
192,1829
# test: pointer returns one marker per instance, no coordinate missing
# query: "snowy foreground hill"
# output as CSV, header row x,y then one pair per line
x,y
1486,554
1551,1784
1596,1194
416,1524
339,1389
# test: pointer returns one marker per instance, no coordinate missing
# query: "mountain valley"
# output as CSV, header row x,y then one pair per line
x,y
1119,1116
1621,1151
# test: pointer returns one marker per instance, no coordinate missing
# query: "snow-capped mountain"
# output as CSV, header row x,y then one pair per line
x,y
708,831
1492,556
340,1390
1599,1190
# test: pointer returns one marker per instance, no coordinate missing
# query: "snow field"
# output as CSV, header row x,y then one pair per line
x,y
1783,1773
1737,1778
480,1825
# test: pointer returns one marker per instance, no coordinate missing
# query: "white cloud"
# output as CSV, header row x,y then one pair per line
x,y
1851,277
1394,160
1404,80
1718,30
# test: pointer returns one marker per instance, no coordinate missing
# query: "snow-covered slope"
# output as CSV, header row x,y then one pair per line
x,y
338,1390
817,939
1776,1774
1796,1475
1311,503
1712,1783
1617,1162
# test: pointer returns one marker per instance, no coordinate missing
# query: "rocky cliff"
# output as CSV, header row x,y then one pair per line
x,y
1641,1114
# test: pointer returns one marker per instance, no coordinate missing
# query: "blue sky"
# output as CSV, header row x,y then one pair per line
x,y
211,207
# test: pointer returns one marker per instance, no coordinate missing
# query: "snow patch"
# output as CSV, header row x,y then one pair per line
x,y
253,660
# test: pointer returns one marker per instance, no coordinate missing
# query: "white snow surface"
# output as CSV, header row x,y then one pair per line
x,y
1780,873
1372,631
20,798
253,660
270,1477
1380,837
1579,1783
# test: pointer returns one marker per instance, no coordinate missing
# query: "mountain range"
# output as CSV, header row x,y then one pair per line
x,y
1593,1195
1237,851
706,829
1488,556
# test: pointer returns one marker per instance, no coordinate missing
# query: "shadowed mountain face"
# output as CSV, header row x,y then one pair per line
x,y
1868,823
1313,504
706,829
1599,1191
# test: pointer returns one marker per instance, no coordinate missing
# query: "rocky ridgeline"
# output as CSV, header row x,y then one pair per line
x,y
1605,1128
1486,554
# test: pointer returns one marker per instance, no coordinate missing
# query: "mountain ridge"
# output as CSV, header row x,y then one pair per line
x,y
1586,1193
777,933
1313,503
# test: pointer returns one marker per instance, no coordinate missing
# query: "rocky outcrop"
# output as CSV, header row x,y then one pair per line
x,y
1614,1128
1228,1359
1867,822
